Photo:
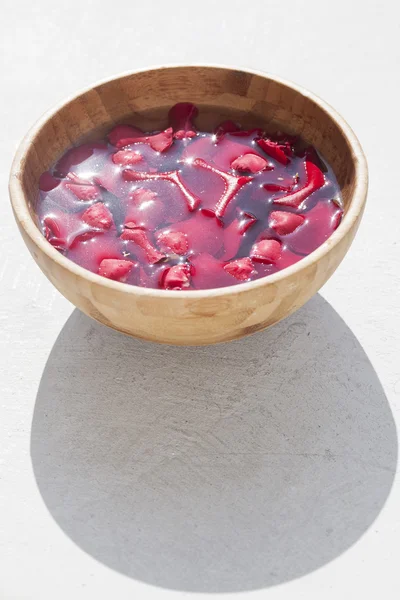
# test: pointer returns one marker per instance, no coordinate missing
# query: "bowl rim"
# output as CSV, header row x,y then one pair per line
x,y
23,216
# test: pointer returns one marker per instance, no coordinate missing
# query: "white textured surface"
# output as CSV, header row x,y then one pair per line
x,y
265,466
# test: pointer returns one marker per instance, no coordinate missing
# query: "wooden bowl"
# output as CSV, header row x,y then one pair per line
x,y
144,97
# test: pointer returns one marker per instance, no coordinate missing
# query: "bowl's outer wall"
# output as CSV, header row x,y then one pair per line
x,y
198,321
190,318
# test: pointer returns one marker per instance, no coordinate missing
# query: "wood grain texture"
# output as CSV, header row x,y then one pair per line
x,y
198,317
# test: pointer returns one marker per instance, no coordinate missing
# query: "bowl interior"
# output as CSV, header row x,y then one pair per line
x,y
144,99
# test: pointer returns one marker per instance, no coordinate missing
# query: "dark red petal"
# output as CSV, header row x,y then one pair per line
x,y
312,155
273,150
256,131
47,182
75,156
274,187
181,118
315,180
122,132
158,141
225,127
161,141
55,231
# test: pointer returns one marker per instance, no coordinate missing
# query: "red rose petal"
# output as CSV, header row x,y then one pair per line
x,y
285,222
115,269
181,120
266,251
315,180
242,269
249,162
175,241
98,216
123,132
139,237
84,192
176,277
126,158
274,150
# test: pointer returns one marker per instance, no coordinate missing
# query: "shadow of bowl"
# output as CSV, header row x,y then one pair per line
x,y
217,469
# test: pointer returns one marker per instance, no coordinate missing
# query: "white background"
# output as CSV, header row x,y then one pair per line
x,y
263,468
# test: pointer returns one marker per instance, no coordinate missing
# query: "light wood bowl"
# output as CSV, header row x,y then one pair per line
x,y
144,97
